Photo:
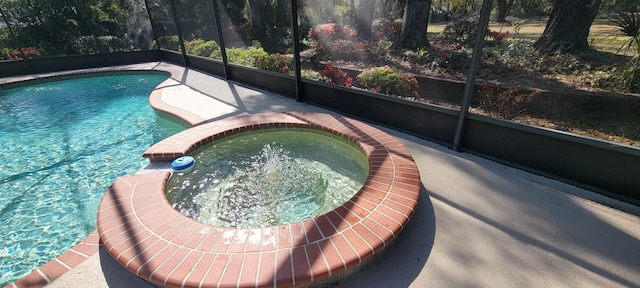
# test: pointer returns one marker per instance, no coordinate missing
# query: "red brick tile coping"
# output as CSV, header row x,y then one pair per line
x,y
140,229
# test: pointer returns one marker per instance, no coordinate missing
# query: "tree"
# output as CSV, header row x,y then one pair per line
x,y
270,24
503,7
392,9
365,18
568,26
414,25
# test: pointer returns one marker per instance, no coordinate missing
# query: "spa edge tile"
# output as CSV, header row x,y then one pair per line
x,y
213,276
284,268
346,251
199,270
147,269
301,268
222,246
311,231
164,271
368,203
360,246
319,268
190,229
394,214
337,221
253,241
183,269
231,275
250,267
332,257
266,269
347,215
146,249
239,242
386,221
210,239
286,255
298,237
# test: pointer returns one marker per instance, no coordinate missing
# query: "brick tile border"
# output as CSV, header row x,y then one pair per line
x,y
141,230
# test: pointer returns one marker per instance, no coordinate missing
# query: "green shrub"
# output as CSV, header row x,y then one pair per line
x,y
462,31
275,62
389,81
209,49
245,57
190,46
86,45
169,42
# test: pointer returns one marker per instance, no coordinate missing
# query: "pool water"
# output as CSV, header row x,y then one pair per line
x,y
268,178
62,144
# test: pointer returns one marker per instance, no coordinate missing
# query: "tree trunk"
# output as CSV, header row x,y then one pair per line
x,y
568,26
503,7
258,31
414,26
366,8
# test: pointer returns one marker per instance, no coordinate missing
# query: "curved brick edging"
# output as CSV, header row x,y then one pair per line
x,y
141,230
53,269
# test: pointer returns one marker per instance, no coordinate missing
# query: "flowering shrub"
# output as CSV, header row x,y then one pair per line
x,y
329,32
28,52
344,49
447,49
275,62
336,76
496,38
389,81
387,30
336,42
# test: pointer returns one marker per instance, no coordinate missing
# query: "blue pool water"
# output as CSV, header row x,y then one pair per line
x,y
61,145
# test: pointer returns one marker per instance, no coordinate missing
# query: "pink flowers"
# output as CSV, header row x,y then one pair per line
x,y
497,37
330,32
447,49
28,52
337,42
389,31
335,76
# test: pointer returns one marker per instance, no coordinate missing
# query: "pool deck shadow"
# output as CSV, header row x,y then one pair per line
x,y
477,224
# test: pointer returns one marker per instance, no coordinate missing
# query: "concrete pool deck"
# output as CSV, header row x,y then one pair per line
x,y
477,224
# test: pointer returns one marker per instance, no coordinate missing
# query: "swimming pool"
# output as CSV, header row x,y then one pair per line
x,y
62,143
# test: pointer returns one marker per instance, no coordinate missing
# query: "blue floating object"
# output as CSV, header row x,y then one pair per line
x,y
182,164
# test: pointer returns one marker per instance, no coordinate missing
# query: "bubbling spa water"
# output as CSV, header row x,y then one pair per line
x,y
268,177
